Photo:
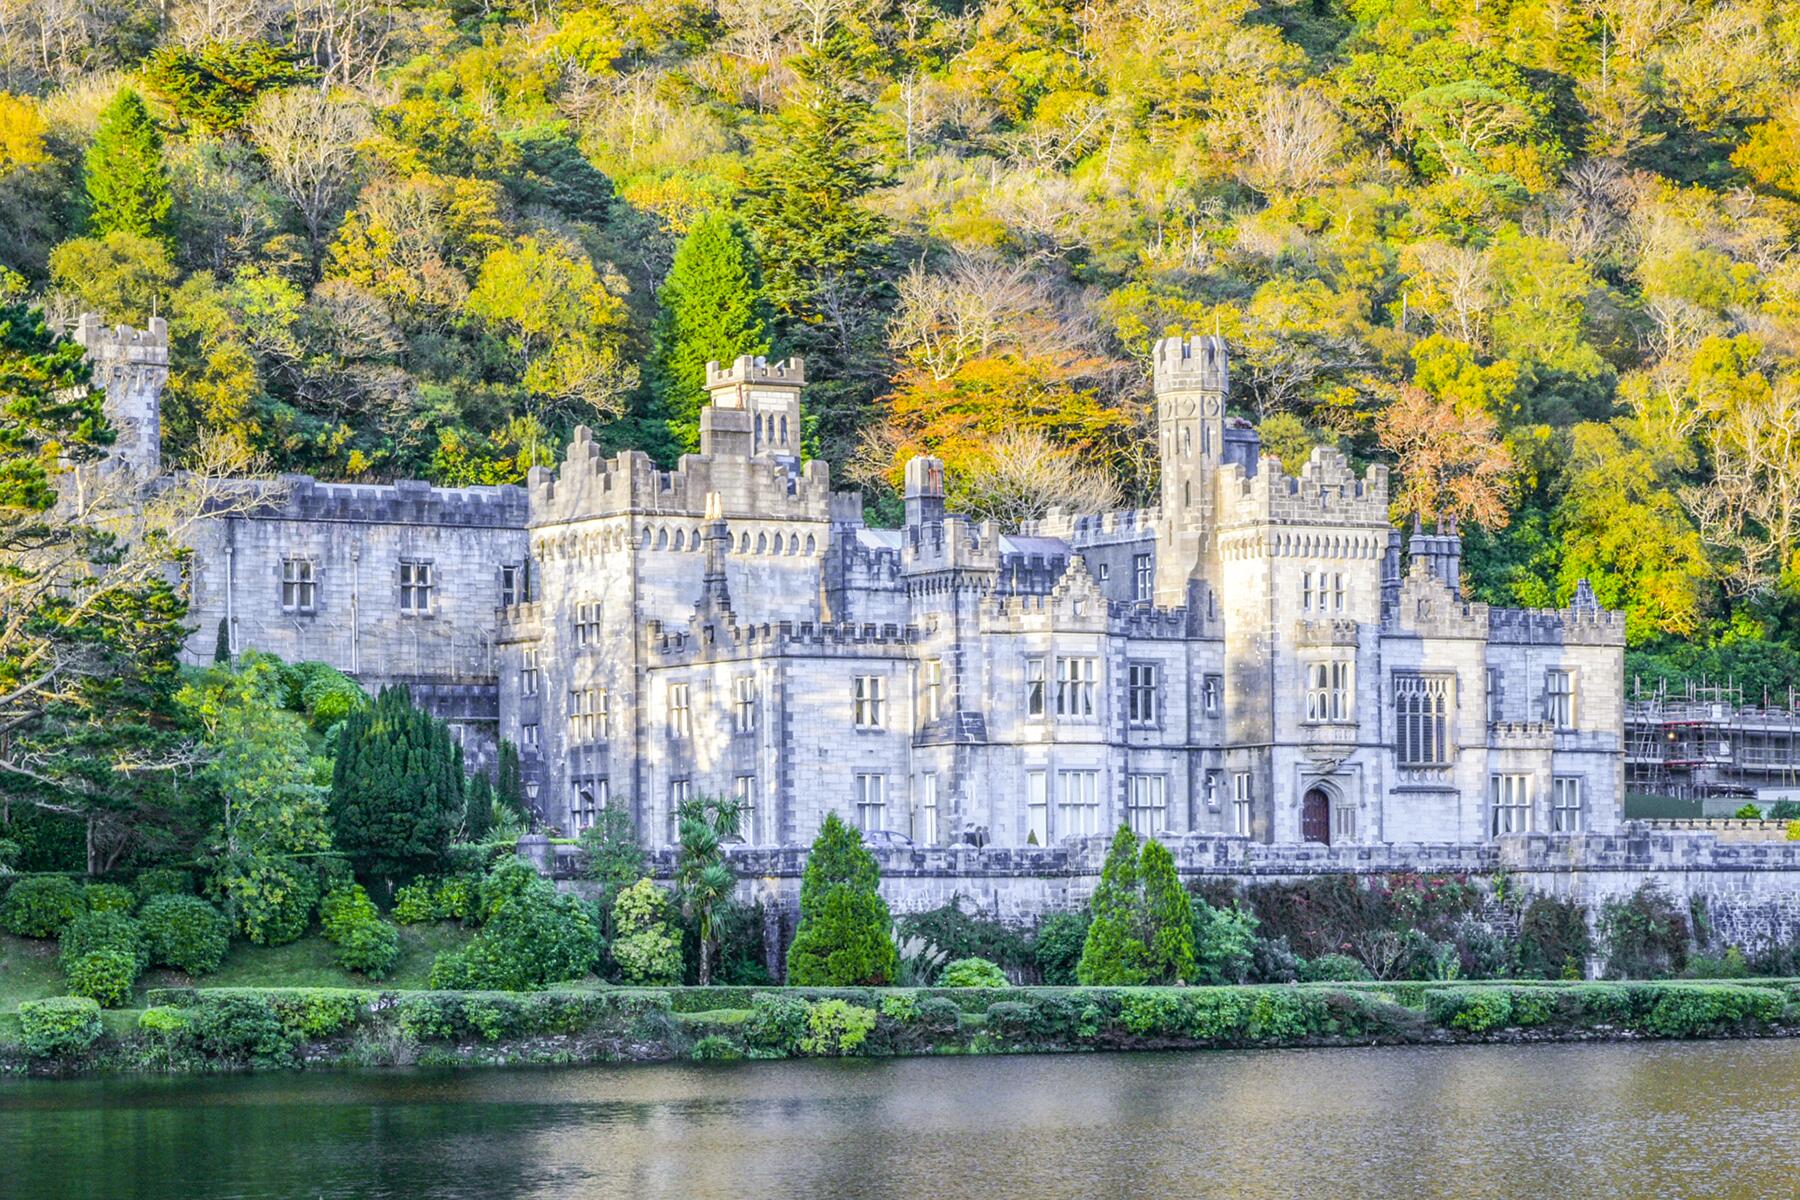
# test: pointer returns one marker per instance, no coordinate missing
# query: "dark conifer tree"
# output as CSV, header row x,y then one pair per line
x,y
397,788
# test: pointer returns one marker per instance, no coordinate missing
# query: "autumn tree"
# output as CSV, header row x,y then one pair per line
x,y
1452,464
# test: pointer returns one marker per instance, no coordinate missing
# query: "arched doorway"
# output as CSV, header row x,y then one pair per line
x,y
1315,816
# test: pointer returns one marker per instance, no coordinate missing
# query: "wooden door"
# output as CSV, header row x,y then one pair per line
x,y
1315,817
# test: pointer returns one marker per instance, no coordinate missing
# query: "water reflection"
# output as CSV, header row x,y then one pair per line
x,y
1706,1119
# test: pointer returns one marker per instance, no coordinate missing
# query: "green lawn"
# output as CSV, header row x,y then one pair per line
x,y
28,969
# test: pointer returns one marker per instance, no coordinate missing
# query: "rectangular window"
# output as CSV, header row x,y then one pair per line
x,y
1509,797
743,704
587,714
1146,804
1212,790
1306,591
871,802
1142,693
1337,592
1211,689
1565,805
1034,687
1422,720
1240,803
1343,821
1105,572
1075,687
680,792
512,586
743,794
681,717
931,689
1078,803
587,623
416,584
1143,573
869,701
1559,699
1037,808
528,737
298,585
925,832
1492,705
589,796
528,673
1328,691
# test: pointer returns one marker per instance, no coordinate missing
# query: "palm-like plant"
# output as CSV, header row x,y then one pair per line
x,y
703,879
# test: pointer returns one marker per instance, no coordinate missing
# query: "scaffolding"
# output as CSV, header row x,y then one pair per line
x,y
1703,740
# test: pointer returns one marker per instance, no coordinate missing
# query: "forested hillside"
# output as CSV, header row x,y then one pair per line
x,y
1537,253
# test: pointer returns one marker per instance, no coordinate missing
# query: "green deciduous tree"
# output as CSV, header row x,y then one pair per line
x,y
396,788
845,935
646,944
127,187
711,308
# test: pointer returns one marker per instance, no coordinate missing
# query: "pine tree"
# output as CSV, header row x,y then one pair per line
x,y
479,810
1114,953
845,936
127,188
509,789
711,308
1168,917
396,788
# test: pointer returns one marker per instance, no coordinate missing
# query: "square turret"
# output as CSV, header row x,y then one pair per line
x,y
769,393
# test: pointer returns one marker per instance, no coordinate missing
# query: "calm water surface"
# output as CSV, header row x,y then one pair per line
x,y
1715,1119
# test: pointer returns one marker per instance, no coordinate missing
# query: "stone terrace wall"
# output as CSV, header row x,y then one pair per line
x,y
1750,890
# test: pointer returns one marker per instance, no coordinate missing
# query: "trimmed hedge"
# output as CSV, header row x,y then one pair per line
x,y
40,906
282,1027
185,932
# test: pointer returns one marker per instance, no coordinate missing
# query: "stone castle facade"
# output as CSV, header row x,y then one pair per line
x,y
1262,655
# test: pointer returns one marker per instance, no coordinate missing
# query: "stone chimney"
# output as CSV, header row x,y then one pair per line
x,y
924,491
1440,551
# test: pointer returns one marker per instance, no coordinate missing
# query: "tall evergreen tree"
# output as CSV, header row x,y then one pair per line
x,y
479,810
1114,953
397,788
1168,917
127,187
222,644
827,268
846,934
711,308
509,786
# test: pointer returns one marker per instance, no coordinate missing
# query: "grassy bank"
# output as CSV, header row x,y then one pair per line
x,y
237,1028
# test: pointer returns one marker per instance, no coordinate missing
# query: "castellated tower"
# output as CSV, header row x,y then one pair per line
x,y
753,409
132,365
1191,378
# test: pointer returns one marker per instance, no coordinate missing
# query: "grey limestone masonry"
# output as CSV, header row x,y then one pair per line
x,y
1260,657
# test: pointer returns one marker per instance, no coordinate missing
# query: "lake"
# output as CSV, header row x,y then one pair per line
x,y
1714,1119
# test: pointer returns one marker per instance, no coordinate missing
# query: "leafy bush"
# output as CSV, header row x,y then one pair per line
x,y
450,898
533,937
1333,968
776,1024
900,1006
1684,1011
106,976
836,1027
185,932
1748,812
165,1019
1473,1010
109,897
272,900
415,903
60,1025
938,1014
972,973
1057,947
716,1047
163,881
233,1024
1272,960
645,947
1646,935
39,906
505,881
1553,939
1730,965
364,941
942,935
1224,943
102,931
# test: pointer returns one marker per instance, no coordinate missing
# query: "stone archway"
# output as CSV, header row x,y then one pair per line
x,y
1315,816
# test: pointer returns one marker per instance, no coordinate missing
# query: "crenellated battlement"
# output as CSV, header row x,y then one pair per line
x,y
704,641
1190,364
1089,529
588,486
1326,492
406,502
747,369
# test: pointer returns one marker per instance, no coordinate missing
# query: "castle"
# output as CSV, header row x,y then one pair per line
x,y
1256,656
